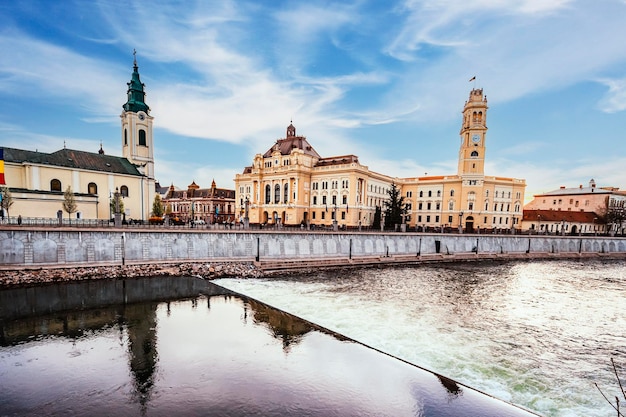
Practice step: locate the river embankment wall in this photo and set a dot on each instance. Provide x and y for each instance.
(35, 248)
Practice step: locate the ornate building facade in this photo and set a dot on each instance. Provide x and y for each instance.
(208, 205)
(38, 180)
(292, 184)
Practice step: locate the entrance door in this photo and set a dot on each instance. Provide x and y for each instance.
(469, 224)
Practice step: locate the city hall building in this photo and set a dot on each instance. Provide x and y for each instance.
(291, 184)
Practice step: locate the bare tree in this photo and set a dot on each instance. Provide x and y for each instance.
(69, 202)
(621, 387)
(6, 199)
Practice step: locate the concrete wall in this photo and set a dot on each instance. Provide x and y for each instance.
(22, 247)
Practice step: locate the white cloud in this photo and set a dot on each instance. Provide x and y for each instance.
(614, 99)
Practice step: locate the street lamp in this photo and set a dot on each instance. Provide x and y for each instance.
(538, 223)
(246, 219)
(461, 222)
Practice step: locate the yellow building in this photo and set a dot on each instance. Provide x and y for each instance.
(37, 181)
(292, 184)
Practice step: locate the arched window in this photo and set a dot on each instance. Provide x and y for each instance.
(421, 193)
(286, 194)
(451, 205)
(55, 185)
(474, 154)
(430, 193)
(438, 193)
(268, 194)
(277, 194)
(125, 137)
(92, 188)
(451, 193)
(142, 137)
(124, 191)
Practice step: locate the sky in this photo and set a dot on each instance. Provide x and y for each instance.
(385, 80)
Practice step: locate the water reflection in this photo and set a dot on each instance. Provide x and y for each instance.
(203, 351)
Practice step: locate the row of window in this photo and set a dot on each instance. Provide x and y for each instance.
(500, 194)
(92, 187)
(495, 219)
(333, 185)
(324, 201)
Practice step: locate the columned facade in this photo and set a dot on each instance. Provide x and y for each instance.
(292, 184)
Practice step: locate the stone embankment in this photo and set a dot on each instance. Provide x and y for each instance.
(28, 277)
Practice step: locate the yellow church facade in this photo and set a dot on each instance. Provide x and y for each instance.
(291, 184)
(37, 180)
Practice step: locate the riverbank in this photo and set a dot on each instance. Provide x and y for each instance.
(29, 276)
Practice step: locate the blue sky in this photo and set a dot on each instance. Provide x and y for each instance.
(385, 80)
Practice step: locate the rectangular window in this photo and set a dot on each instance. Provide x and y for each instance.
(313, 215)
(323, 215)
(344, 199)
(427, 219)
(449, 219)
(343, 215)
(323, 199)
(436, 219)
(334, 200)
(314, 200)
(419, 219)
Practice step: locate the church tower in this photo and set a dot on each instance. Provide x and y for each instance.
(137, 140)
(473, 132)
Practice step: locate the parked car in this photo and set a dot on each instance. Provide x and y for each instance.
(199, 222)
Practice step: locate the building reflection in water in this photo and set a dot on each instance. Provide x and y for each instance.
(222, 361)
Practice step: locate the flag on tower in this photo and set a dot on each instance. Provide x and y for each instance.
(2, 167)
(472, 79)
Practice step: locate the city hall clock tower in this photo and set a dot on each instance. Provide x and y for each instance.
(473, 132)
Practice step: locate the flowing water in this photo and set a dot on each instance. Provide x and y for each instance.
(537, 334)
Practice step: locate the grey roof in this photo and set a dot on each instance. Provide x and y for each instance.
(577, 191)
(69, 158)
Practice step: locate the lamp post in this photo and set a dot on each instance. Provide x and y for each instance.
(538, 223)
(335, 227)
(461, 222)
(246, 219)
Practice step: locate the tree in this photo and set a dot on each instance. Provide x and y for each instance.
(157, 206)
(7, 199)
(395, 209)
(69, 202)
(377, 216)
(112, 205)
(616, 215)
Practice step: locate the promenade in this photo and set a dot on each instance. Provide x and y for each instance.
(48, 254)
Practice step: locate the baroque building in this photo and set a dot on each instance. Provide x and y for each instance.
(209, 205)
(38, 180)
(291, 184)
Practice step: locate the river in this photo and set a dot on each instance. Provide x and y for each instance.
(538, 334)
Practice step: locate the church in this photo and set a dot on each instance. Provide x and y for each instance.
(37, 180)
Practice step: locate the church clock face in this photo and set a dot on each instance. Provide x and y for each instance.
(141, 116)
(475, 138)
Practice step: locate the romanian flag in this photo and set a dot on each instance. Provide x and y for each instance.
(2, 167)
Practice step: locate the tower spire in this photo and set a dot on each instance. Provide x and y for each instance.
(136, 95)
